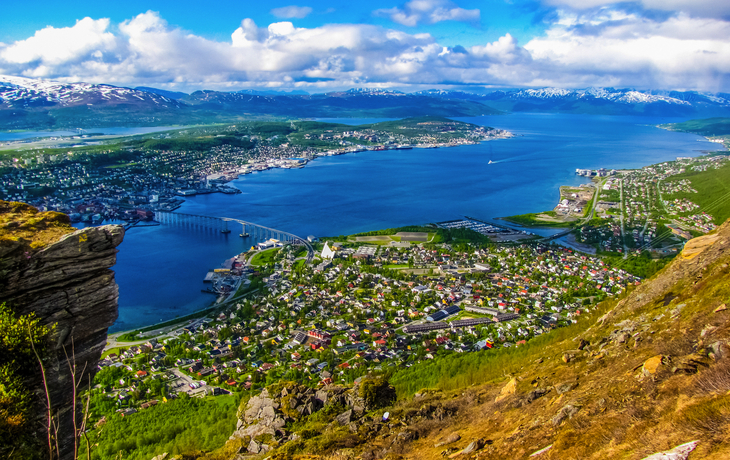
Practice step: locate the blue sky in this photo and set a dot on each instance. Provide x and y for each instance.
(411, 45)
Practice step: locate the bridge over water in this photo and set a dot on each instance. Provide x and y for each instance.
(229, 224)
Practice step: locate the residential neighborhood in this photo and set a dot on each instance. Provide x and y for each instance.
(354, 311)
(648, 210)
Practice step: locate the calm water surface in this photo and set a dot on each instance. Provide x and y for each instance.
(160, 269)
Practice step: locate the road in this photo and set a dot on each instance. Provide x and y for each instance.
(596, 194)
(623, 210)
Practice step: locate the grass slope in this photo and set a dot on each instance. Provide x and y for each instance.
(713, 187)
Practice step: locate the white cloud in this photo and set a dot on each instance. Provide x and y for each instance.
(584, 49)
(51, 46)
(682, 52)
(702, 8)
(292, 11)
(430, 11)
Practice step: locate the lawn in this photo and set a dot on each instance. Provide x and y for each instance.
(395, 266)
(264, 257)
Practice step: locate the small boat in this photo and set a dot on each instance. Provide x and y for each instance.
(226, 230)
(244, 235)
(490, 162)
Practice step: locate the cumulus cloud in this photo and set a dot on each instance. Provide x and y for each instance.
(583, 49)
(292, 11)
(50, 47)
(681, 52)
(430, 11)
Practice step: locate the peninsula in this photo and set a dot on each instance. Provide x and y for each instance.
(94, 180)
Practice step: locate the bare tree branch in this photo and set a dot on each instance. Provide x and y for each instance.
(50, 420)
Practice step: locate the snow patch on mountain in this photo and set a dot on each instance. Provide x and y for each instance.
(20, 91)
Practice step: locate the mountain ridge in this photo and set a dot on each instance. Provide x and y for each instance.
(32, 104)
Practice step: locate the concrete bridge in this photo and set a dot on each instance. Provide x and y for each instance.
(229, 225)
(557, 235)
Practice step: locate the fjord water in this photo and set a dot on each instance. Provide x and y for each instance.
(160, 269)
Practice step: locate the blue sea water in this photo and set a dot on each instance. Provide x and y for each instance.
(160, 269)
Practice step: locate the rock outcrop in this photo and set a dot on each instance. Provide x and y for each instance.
(262, 421)
(67, 283)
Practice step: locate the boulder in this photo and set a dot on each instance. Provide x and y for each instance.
(719, 350)
(322, 396)
(537, 393)
(471, 448)
(623, 337)
(565, 387)
(651, 366)
(507, 390)
(344, 418)
(449, 439)
(254, 447)
(567, 411)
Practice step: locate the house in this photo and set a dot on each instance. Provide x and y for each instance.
(205, 372)
(148, 404)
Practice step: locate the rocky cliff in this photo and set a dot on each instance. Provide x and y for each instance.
(64, 277)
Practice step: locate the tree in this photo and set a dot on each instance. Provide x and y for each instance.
(20, 338)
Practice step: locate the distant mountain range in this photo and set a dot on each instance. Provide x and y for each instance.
(606, 101)
(42, 104)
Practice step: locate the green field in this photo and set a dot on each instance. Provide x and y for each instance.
(713, 191)
(531, 220)
(264, 257)
(613, 196)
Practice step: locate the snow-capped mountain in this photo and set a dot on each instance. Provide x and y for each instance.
(19, 92)
(624, 96)
(27, 103)
(609, 101)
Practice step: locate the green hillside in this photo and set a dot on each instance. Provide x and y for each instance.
(704, 127)
(713, 187)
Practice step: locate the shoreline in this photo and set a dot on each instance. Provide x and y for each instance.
(504, 219)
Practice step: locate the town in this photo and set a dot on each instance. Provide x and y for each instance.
(359, 307)
(132, 179)
(648, 212)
